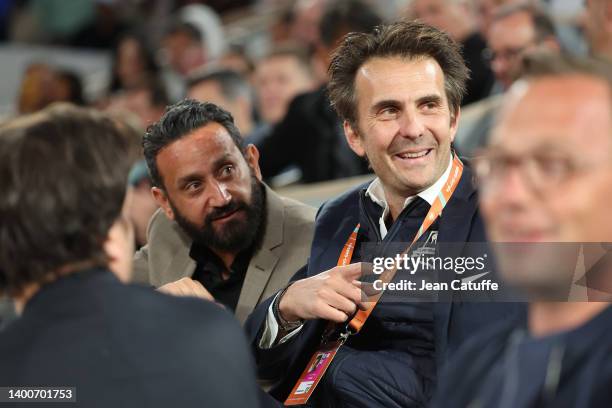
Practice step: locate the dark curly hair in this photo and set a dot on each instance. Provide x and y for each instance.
(180, 120)
(64, 174)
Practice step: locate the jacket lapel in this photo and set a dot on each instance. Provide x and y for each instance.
(180, 265)
(264, 261)
(455, 228)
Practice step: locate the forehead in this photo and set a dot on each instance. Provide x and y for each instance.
(570, 112)
(516, 28)
(280, 64)
(209, 91)
(398, 78)
(199, 149)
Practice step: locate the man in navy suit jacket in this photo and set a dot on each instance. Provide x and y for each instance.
(62, 231)
(398, 90)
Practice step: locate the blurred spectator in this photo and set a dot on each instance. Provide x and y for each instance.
(183, 48)
(541, 184)
(487, 8)
(132, 63)
(146, 101)
(65, 253)
(42, 85)
(232, 92)
(67, 87)
(209, 24)
(305, 19)
(237, 59)
(280, 76)
(105, 28)
(6, 8)
(598, 27)
(310, 136)
(36, 88)
(516, 31)
(458, 19)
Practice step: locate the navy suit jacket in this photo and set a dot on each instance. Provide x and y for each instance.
(127, 346)
(453, 321)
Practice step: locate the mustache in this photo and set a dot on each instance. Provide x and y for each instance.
(221, 212)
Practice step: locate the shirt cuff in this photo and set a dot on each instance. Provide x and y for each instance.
(270, 331)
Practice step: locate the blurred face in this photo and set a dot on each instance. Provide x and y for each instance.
(130, 64)
(549, 176)
(240, 108)
(210, 91)
(212, 191)
(404, 123)
(183, 53)
(509, 39)
(278, 80)
(442, 14)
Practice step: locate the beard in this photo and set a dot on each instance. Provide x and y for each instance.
(237, 234)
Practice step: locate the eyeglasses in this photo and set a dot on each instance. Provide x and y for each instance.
(508, 54)
(542, 171)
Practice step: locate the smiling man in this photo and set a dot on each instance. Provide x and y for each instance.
(398, 91)
(220, 233)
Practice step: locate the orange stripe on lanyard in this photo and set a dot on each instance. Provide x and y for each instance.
(435, 211)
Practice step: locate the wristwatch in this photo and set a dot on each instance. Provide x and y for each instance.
(285, 325)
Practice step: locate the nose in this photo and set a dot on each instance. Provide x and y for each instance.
(512, 190)
(411, 124)
(220, 195)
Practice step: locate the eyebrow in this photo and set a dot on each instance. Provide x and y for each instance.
(393, 102)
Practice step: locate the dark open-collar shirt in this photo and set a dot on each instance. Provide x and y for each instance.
(209, 272)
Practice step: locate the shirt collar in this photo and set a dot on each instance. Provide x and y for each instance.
(376, 192)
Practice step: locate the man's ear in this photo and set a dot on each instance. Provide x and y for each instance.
(454, 123)
(354, 140)
(252, 158)
(162, 199)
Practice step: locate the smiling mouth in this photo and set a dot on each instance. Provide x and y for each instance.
(414, 155)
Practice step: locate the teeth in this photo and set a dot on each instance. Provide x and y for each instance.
(413, 155)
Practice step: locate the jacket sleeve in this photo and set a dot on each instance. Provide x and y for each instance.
(140, 266)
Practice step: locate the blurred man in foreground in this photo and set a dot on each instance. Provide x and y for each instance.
(546, 178)
(62, 236)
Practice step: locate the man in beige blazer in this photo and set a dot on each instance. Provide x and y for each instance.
(220, 232)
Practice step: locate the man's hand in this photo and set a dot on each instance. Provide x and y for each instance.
(186, 287)
(331, 295)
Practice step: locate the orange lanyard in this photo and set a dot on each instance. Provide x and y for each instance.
(435, 211)
(322, 358)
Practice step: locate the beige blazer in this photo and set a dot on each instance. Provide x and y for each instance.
(284, 250)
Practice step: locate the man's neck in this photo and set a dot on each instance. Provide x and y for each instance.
(548, 318)
(396, 203)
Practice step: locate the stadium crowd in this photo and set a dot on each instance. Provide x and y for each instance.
(194, 224)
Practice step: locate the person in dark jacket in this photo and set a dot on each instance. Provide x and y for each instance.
(398, 90)
(65, 251)
(310, 135)
(543, 183)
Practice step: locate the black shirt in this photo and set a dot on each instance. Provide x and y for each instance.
(209, 272)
